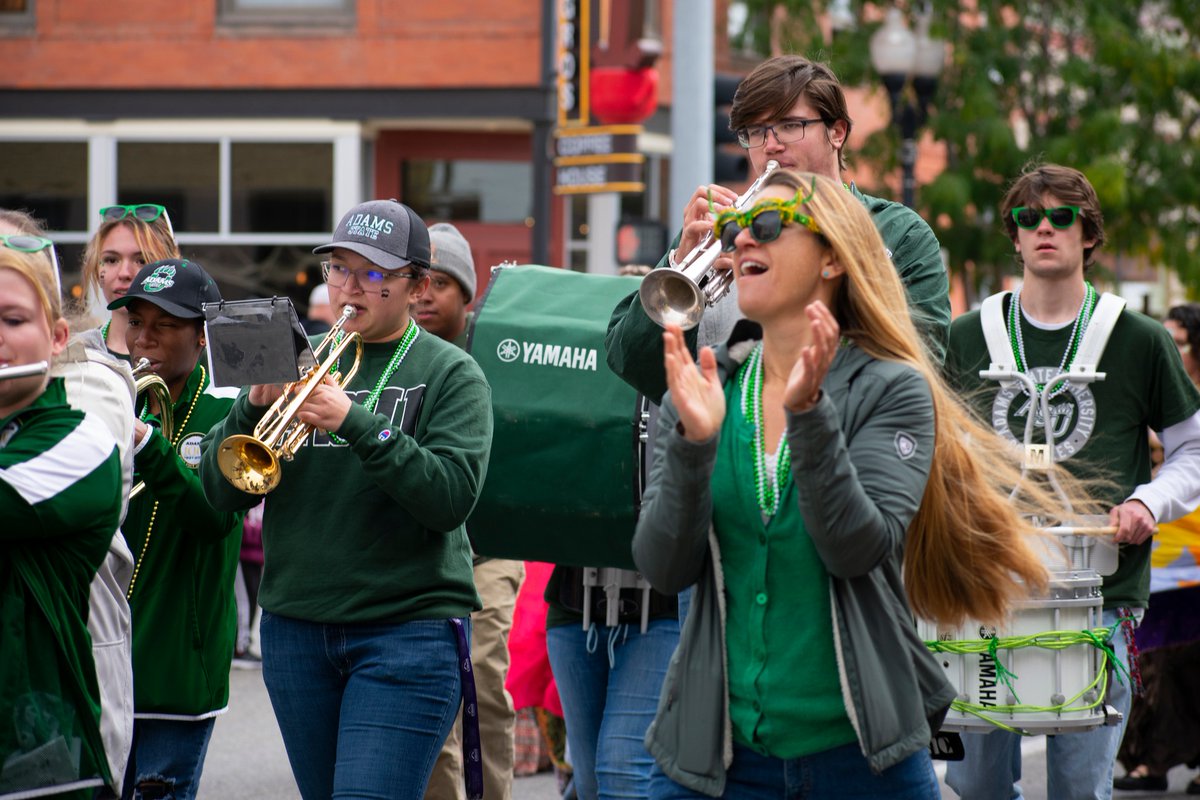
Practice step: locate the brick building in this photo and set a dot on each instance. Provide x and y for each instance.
(258, 122)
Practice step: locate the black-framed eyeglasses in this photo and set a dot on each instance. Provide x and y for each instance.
(146, 212)
(786, 131)
(27, 243)
(370, 281)
(1060, 217)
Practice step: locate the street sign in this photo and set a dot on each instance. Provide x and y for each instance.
(597, 159)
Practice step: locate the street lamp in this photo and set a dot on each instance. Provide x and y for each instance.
(900, 58)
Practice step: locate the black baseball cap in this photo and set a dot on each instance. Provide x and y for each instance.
(387, 233)
(176, 285)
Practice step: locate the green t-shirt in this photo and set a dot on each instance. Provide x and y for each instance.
(1100, 429)
(785, 698)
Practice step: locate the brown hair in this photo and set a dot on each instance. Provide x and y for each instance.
(957, 564)
(1070, 186)
(154, 239)
(776, 85)
(1188, 317)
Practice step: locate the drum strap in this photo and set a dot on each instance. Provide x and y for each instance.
(995, 333)
(1091, 347)
(1095, 338)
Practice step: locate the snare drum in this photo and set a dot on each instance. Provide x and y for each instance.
(1056, 675)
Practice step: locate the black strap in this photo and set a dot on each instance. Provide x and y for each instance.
(472, 749)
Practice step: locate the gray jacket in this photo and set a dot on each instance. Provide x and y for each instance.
(860, 461)
(101, 384)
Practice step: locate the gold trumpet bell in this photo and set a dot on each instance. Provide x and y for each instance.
(248, 464)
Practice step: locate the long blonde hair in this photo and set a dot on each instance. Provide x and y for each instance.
(969, 552)
(154, 240)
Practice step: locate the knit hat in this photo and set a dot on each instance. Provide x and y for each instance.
(452, 255)
(387, 233)
(176, 285)
(319, 296)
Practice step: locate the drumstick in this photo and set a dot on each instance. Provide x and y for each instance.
(1108, 530)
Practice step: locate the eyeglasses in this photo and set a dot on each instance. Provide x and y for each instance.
(1060, 217)
(370, 281)
(146, 212)
(766, 220)
(25, 243)
(786, 131)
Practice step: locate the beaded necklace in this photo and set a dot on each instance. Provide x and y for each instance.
(402, 348)
(1017, 341)
(766, 486)
(104, 333)
(137, 568)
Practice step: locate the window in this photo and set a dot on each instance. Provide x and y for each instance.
(469, 190)
(297, 12)
(183, 176)
(17, 15)
(284, 187)
(48, 179)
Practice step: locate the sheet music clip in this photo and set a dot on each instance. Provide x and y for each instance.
(253, 342)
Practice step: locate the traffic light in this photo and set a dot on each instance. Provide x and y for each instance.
(730, 164)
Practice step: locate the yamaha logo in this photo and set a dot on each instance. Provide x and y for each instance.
(508, 350)
(546, 354)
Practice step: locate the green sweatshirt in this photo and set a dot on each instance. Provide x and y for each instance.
(186, 555)
(60, 501)
(373, 530)
(634, 341)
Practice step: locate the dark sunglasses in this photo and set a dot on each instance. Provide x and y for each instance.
(25, 243)
(766, 220)
(1060, 216)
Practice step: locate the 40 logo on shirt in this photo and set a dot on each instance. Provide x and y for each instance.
(1072, 414)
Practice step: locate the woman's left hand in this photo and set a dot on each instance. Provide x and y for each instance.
(804, 384)
(326, 408)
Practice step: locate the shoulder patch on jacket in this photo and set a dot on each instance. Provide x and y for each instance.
(906, 445)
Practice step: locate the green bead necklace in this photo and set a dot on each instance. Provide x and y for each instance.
(766, 485)
(402, 348)
(1017, 341)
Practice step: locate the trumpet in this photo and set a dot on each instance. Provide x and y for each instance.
(680, 294)
(146, 381)
(252, 462)
(24, 370)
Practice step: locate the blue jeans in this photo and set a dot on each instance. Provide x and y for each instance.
(838, 774)
(1079, 766)
(363, 708)
(609, 680)
(166, 758)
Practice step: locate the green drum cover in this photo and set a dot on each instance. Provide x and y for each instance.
(562, 482)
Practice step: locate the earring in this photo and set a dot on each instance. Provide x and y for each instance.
(825, 274)
(101, 274)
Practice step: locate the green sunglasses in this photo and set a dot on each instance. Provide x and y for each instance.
(146, 212)
(25, 243)
(1060, 217)
(766, 220)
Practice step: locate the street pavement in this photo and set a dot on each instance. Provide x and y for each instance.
(246, 758)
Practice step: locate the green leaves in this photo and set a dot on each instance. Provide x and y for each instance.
(1110, 87)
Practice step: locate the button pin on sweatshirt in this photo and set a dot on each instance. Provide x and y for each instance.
(906, 445)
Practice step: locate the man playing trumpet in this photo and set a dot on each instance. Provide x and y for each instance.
(367, 584)
(792, 111)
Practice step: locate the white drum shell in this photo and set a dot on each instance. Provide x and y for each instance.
(1045, 677)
